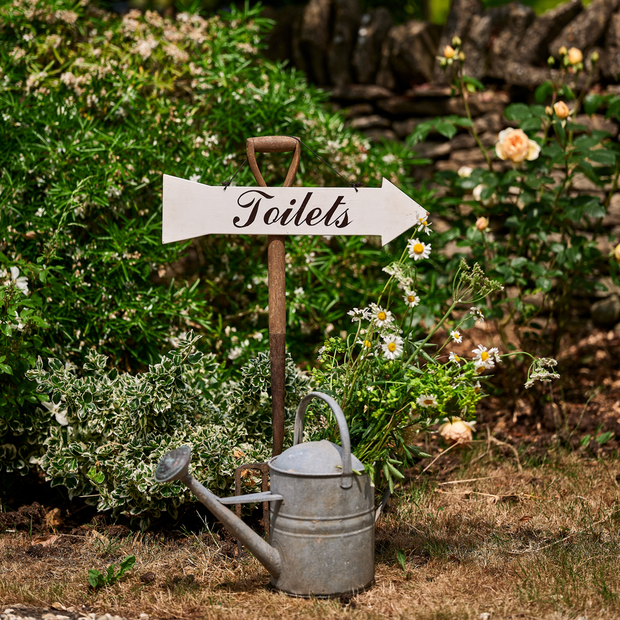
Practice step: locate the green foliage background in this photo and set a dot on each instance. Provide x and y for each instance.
(94, 108)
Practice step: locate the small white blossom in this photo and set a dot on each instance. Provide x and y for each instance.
(423, 225)
(484, 357)
(412, 299)
(392, 346)
(59, 414)
(456, 336)
(381, 318)
(477, 314)
(464, 172)
(418, 250)
(427, 400)
(455, 358)
(21, 282)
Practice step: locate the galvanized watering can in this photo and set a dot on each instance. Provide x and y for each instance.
(321, 513)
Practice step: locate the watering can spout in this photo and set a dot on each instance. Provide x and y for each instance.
(175, 466)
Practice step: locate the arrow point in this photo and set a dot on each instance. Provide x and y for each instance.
(408, 210)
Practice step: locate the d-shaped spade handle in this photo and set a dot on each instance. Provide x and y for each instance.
(274, 144)
(345, 440)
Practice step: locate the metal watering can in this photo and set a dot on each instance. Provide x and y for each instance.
(321, 513)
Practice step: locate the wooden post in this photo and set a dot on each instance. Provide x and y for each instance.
(277, 281)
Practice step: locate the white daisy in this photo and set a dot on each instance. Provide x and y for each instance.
(382, 318)
(423, 225)
(392, 346)
(494, 353)
(411, 298)
(427, 400)
(366, 344)
(477, 313)
(456, 336)
(418, 250)
(484, 357)
(481, 366)
(455, 358)
(357, 315)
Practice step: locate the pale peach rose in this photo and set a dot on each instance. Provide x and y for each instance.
(561, 110)
(448, 51)
(482, 223)
(513, 144)
(617, 253)
(574, 56)
(457, 431)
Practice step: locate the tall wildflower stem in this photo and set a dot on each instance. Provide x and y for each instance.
(474, 133)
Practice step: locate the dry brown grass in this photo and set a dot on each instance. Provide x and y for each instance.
(543, 543)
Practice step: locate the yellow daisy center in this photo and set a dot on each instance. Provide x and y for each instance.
(484, 356)
(428, 401)
(456, 335)
(366, 343)
(382, 316)
(457, 358)
(392, 347)
(480, 370)
(418, 248)
(410, 299)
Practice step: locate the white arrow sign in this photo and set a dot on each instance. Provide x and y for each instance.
(193, 209)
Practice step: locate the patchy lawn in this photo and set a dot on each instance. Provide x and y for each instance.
(543, 542)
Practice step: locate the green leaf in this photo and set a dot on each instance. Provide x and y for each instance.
(592, 103)
(401, 558)
(95, 578)
(544, 284)
(395, 471)
(543, 92)
(595, 209)
(518, 262)
(604, 437)
(531, 124)
(568, 92)
(445, 129)
(517, 112)
(603, 156)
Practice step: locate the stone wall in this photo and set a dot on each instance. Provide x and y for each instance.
(385, 78)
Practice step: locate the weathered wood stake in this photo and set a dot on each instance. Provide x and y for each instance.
(276, 265)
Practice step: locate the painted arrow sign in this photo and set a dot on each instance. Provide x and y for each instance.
(193, 209)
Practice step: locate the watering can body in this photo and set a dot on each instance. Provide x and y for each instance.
(321, 509)
(323, 532)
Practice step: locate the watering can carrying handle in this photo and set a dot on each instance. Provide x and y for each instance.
(342, 426)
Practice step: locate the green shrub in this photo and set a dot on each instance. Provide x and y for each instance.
(530, 223)
(111, 429)
(94, 108)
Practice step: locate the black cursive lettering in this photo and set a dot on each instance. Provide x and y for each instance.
(255, 202)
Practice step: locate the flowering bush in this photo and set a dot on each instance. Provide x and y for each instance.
(94, 108)
(395, 383)
(532, 216)
(110, 429)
